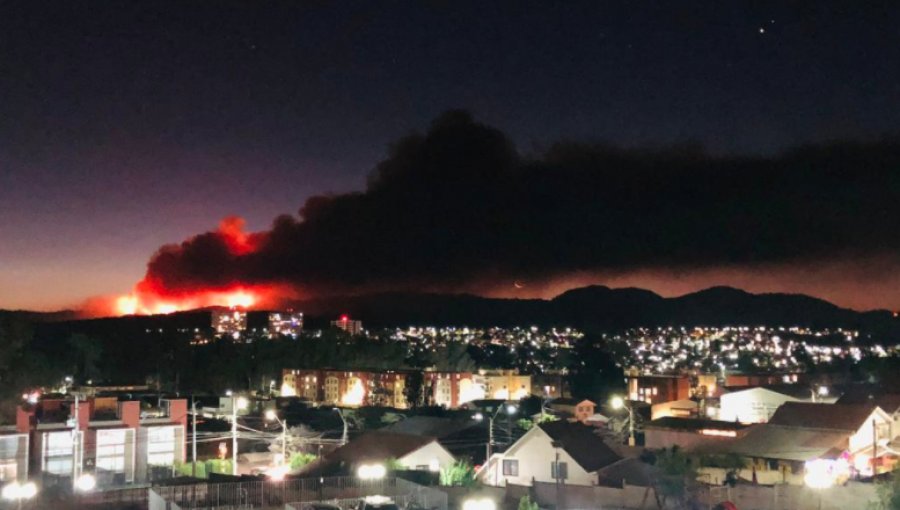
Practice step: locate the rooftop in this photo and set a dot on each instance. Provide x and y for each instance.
(693, 424)
(581, 443)
(769, 441)
(843, 417)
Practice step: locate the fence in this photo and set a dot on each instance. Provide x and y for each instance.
(295, 493)
(404, 494)
(745, 497)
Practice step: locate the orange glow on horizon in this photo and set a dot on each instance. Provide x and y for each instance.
(141, 302)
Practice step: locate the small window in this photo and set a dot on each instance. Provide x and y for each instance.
(510, 467)
(561, 468)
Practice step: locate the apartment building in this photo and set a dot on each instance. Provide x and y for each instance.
(119, 442)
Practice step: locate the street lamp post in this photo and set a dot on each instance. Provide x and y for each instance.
(344, 421)
(236, 403)
(619, 403)
(271, 415)
(510, 410)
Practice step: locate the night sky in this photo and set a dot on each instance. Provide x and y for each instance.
(128, 125)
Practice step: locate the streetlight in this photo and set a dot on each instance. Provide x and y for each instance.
(236, 403)
(19, 492)
(618, 403)
(818, 392)
(819, 474)
(371, 471)
(271, 415)
(86, 482)
(510, 410)
(344, 421)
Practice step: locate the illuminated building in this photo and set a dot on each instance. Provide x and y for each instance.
(285, 323)
(352, 327)
(450, 389)
(116, 441)
(346, 387)
(655, 389)
(230, 323)
(506, 384)
(386, 387)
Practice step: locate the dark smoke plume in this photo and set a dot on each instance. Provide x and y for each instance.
(458, 207)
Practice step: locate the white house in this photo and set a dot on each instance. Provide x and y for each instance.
(409, 451)
(570, 450)
(754, 404)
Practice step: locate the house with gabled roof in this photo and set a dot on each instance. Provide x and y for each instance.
(570, 452)
(411, 452)
(801, 432)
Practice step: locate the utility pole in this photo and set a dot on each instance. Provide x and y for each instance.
(344, 437)
(490, 437)
(193, 437)
(874, 447)
(234, 441)
(75, 459)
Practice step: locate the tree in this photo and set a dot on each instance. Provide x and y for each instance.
(453, 357)
(459, 474)
(297, 440)
(679, 471)
(888, 492)
(299, 459)
(595, 374)
(414, 388)
(525, 503)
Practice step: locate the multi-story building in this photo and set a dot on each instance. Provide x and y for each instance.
(231, 323)
(506, 384)
(287, 323)
(451, 389)
(236, 323)
(655, 389)
(345, 323)
(346, 387)
(388, 387)
(114, 440)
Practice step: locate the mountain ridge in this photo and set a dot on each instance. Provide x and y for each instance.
(594, 307)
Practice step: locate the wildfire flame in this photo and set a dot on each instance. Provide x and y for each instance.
(155, 295)
(141, 303)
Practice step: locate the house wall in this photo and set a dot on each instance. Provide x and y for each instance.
(535, 453)
(674, 408)
(755, 405)
(863, 437)
(654, 389)
(424, 457)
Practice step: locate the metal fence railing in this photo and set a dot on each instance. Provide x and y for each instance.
(298, 493)
(404, 493)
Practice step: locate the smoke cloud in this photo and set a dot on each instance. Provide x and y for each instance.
(459, 208)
